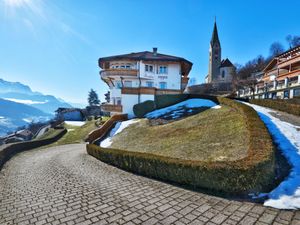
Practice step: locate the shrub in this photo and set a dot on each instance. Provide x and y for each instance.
(162, 101)
(251, 173)
(143, 108)
(288, 106)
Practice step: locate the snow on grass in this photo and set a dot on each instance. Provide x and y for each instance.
(287, 137)
(177, 109)
(75, 123)
(119, 127)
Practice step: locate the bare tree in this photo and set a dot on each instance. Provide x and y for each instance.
(276, 48)
(293, 41)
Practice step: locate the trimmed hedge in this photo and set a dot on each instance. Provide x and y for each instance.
(11, 149)
(162, 101)
(143, 108)
(251, 173)
(279, 104)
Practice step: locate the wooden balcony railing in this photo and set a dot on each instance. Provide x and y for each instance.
(111, 108)
(118, 72)
(289, 61)
(288, 75)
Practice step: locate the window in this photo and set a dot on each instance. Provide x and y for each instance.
(119, 102)
(128, 83)
(163, 69)
(149, 68)
(122, 67)
(118, 84)
(296, 92)
(162, 85)
(223, 74)
(149, 83)
(128, 66)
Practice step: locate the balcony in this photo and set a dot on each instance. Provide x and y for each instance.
(149, 91)
(118, 72)
(111, 108)
(288, 75)
(289, 61)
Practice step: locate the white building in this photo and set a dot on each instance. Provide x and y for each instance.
(136, 77)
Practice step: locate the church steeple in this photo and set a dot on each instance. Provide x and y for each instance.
(214, 56)
(215, 37)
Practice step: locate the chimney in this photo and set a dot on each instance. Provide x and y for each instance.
(154, 51)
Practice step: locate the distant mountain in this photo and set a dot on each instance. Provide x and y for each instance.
(13, 115)
(20, 93)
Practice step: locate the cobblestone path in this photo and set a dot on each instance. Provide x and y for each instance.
(64, 185)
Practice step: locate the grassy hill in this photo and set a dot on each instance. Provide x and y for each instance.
(212, 135)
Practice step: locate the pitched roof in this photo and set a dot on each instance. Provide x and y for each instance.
(147, 56)
(226, 63)
(215, 36)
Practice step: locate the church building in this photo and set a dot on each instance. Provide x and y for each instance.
(220, 71)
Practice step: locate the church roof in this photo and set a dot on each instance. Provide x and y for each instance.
(215, 36)
(226, 63)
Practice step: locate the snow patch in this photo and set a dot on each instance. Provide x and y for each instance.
(287, 137)
(190, 103)
(75, 123)
(119, 127)
(27, 102)
(27, 120)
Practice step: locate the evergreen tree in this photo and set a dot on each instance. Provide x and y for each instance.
(93, 98)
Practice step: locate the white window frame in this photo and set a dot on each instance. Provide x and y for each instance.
(165, 87)
(149, 82)
(162, 71)
(147, 68)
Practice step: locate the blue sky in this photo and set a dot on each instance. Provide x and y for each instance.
(54, 45)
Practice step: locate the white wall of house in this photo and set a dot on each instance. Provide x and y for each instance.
(172, 77)
(128, 101)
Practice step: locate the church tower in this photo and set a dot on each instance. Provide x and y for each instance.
(214, 56)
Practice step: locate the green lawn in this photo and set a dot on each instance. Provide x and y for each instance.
(75, 134)
(212, 135)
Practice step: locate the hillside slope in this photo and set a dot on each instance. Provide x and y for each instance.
(20, 93)
(13, 115)
(211, 135)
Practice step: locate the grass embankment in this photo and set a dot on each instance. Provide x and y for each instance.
(252, 171)
(75, 134)
(212, 135)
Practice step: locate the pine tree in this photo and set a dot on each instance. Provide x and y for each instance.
(93, 98)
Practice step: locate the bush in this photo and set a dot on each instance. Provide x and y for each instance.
(143, 108)
(251, 173)
(289, 106)
(162, 101)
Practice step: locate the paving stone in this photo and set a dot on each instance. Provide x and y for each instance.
(65, 186)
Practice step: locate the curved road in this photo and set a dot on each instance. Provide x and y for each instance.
(64, 185)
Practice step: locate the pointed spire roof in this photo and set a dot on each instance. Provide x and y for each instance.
(215, 36)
